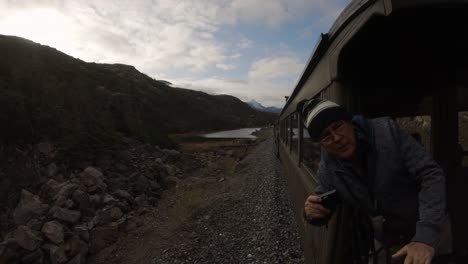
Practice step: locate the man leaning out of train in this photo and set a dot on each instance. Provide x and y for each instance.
(385, 176)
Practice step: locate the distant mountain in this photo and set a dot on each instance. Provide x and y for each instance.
(48, 95)
(260, 107)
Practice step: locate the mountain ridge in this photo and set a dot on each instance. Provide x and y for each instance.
(260, 107)
(47, 94)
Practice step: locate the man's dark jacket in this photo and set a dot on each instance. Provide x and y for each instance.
(401, 182)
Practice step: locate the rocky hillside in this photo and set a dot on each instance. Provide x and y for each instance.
(85, 146)
(78, 211)
(87, 110)
(46, 94)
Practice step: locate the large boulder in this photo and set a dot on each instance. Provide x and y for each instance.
(93, 180)
(65, 215)
(124, 206)
(53, 230)
(35, 224)
(91, 176)
(107, 215)
(171, 170)
(95, 200)
(50, 189)
(124, 195)
(100, 188)
(30, 206)
(62, 198)
(26, 238)
(67, 190)
(56, 253)
(74, 246)
(81, 199)
(142, 201)
(108, 199)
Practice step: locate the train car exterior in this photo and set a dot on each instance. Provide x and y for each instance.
(407, 59)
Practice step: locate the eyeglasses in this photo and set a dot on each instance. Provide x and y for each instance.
(336, 128)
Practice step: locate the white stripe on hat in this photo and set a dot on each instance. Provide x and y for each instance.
(319, 108)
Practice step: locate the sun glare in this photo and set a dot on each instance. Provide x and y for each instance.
(45, 26)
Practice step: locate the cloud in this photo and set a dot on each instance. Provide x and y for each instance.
(235, 56)
(273, 13)
(268, 81)
(174, 39)
(225, 67)
(266, 94)
(245, 43)
(21, 4)
(274, 68)
(161, 33)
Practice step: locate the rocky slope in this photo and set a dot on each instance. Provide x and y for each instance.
(77, 212)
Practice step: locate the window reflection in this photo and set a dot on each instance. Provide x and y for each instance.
(295, 133)
(419, 127)
(311, 157)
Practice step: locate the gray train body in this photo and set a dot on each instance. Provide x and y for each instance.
(399, 58)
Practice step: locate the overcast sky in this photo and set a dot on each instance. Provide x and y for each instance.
(252, 49)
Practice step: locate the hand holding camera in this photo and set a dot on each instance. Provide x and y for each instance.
(329, 199)
(320, 206)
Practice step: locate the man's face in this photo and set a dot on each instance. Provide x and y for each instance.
(338, 139)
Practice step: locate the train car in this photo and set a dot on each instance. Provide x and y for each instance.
(407, 59)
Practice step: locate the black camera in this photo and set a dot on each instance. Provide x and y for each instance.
(329, 199)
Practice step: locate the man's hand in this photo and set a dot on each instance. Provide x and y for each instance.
(313, 209)
(416, 253)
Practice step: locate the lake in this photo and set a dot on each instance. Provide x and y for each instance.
(237, 133)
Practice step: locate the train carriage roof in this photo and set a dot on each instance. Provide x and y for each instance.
(322, 67)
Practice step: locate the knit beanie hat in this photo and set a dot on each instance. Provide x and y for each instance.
(318, 114)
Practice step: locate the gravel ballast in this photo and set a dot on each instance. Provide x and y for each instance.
(250, 223)
(227, 211)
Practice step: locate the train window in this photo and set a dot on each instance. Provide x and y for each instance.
(283, 130)
(288, 128)
(295, 133)
(419, 127)
(311, 150)
(463, 137)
